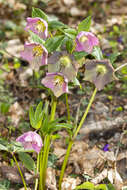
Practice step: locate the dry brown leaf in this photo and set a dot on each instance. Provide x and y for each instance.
(50, 179)
(70, 183)
(16, 111)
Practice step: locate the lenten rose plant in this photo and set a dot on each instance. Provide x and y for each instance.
(62, 52)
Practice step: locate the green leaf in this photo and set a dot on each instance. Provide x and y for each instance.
(38, 110)
(69, 45)
(101, 187)
(85, 24)
(70, 32)
(53, 43)
(36, 38)
(76, 82)
(4, 108)
(54, 24)
(31, 116)
(3, 144)
(113, 57)
(79, 55)
(39, 13)
(111, 187)
(27, 161)
(97, 53)
(86, 185)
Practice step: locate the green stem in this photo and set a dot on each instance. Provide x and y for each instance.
(23, 180)
(74, 136)
(65, 163)
(68, 110)
(85, 114)
(53, 108)
(47, 142)
(36, 181)
(44, 162)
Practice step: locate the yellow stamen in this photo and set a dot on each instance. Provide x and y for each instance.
(37, 50)
(58, 80)
(40, 26)
(101, 69)
(65, 61)
(83, 39)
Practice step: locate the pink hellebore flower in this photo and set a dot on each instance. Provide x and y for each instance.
(31, 141)
(38, 26)
(57, 82)
(35, 53)
(85, 41)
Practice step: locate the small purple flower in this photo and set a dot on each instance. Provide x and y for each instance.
(120, 39)
(85, 41)
(106, 148)
(35, 54)
(30, 141)
(63, 63)
(57, 82)
(99, 72)
(38, 26)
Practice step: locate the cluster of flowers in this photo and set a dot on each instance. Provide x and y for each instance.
(62, 68)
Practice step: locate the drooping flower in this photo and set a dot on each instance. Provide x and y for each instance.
(99, 72)
(57, 82)
(85, 41)
(38, 26)
(30, 141)
(64, 63)
(35, 54)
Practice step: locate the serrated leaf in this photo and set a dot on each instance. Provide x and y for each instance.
(36, 38)
(86, 185)
(36, 12)
(54, 24)
(85, 24)
(53, 43)
(28, 162)
(97, 53)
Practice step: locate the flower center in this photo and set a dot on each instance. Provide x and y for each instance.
(65, 61)
(101, 69)
(58, 80)
(40, 26)
(37, 50)
(83, 39)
